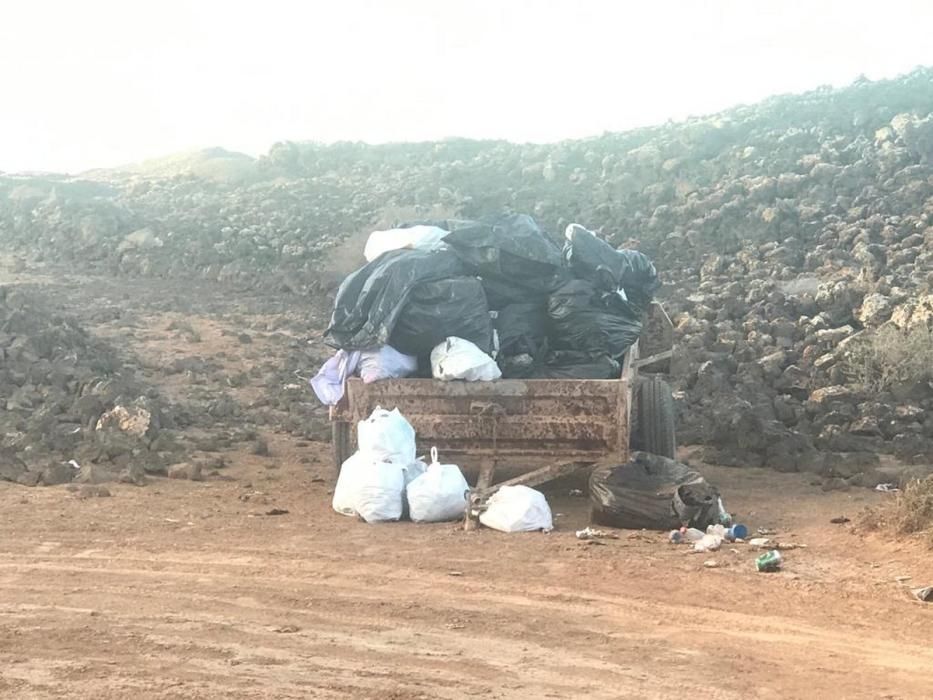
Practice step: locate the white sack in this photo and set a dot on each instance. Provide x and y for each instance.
(385, 363)
(439, 494)
(422, 237)
(371, 488)
(379, 492)
(517, 509)
(457, 358)
(387, 435)
(347, 489)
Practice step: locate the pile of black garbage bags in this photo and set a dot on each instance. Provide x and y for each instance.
(542, 310)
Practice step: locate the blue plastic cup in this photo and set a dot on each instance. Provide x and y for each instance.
(737, 532)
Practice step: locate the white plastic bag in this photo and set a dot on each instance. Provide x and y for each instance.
(385, 363)
(517, 509)
(330, 380)
(412, 472)
(387, 435)
(347, 489)
(423, 237)
(379, 492)
(370, 487)
(457, 358)
(439, 494)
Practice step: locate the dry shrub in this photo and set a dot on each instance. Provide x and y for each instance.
(909, 512)
(890, 356)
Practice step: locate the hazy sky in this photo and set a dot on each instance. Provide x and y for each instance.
(98, 82)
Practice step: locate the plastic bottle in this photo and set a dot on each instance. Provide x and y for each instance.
(676, 536)
(725, 518)
(717, 530)
(691, 534)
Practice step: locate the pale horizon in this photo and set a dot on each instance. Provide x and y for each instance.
(103, 84)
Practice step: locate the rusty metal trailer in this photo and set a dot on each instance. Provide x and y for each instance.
(568, 423)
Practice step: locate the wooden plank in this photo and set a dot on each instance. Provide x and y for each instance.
(487, 472)
(538, 476)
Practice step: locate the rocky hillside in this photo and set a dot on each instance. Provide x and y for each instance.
(795, 237)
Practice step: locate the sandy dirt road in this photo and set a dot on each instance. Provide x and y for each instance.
(189, 590)
(185, 590)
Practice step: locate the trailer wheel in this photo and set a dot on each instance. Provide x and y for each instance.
(656, 417)
(340, 437)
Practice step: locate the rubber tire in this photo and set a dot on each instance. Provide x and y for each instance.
(340, 438)
(656, 417)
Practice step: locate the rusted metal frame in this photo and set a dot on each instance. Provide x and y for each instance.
(489, 412)
(537, 477)
(657, 357)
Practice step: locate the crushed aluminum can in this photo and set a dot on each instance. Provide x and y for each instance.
(769, 561)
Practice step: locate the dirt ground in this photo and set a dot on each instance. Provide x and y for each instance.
(185, 589)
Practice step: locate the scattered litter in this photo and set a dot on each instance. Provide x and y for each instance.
(924, 595)
(841, 520)
(766, 531)
(729, 533)
(761, 542)
(455, 573)
(276, 511)
(902, 579)
(769, 561)
(691, 534)
(576, 493)
(286, 629)
(73, 464)
(708, 543)
(711, 564)
(590, 533)
(887, 488)
(675, 537)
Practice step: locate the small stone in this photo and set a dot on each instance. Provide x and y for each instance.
(93, 474)
(186, 470)
(711, 564)
(57, 474)
(94, 491)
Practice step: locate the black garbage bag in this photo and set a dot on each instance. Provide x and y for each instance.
(522, 328)
(654, 493)
(439, 309)
(587, 320)
(369, 300)
(561, 364)
(512, 255)
(568, 364)
(609, 269)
